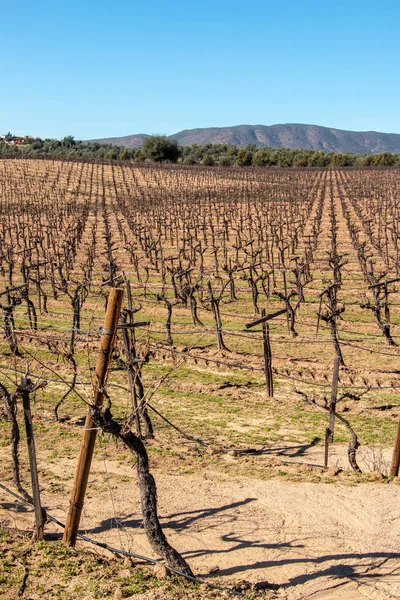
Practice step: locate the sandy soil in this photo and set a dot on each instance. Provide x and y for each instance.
(314, 540)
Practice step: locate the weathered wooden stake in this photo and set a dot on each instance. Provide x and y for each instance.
(319, 316)
(89, 435)
(267, 357)
(330, 430)
(394, 468)
(266, 344)
(286, 295)
(131, 379)
(39, 513)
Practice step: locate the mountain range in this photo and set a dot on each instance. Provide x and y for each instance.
(289, 135)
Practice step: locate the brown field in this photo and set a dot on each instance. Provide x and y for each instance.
(241, 481)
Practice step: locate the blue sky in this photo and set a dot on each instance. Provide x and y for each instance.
(97, 69)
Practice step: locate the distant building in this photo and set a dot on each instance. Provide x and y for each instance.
(18, 140)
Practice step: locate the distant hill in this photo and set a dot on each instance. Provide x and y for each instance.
(289, 135)
(128, 141)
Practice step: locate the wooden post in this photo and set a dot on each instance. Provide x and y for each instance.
(330, 430)
(266, 344)
(89, 435)
(39, 513)
(394, 468)
(286, 295)
(267, 357)
(130, 308)
(319, 316)
(131, 376)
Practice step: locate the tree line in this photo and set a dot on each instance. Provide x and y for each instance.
(164, 149)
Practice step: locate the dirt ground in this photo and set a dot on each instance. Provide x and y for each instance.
(313, 540)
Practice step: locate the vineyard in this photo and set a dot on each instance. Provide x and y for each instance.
(255, 363)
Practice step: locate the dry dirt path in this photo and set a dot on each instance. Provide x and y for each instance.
(314, 540)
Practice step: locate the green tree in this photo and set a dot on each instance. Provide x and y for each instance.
(160, 148)
(244, 157)
(368, 160)
(68, 141)
(225, 160)
(260, 158)
(207, 160)
(126, 154)
(384, 159)
(342, 159)
(285, 158)
(300, 158)
(319, 159)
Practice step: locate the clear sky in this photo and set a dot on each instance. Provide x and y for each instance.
(102, 68)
